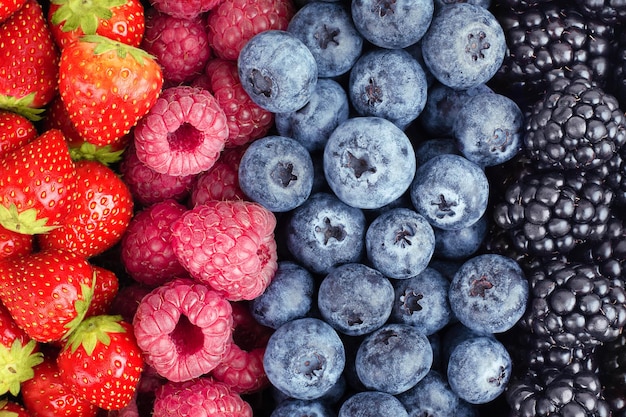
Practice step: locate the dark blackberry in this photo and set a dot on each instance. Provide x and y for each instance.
(545, 37)
(612, 360)
(608, 254)
(549, 212)
(608, 11)
(618, 84)
(577, 125)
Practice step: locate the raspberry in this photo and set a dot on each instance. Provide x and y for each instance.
(180, 45)
(221, 181)
(228, 245)
(183, 133)
(127, 300)
(246, 120)
(146, 250)
(184, 329)
(201, 397)
(233, 23)
(184, 9)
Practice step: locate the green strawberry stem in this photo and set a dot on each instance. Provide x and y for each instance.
(81, 306)
(103, 154)
(94, 330)
(16, 365)
(22, 106)
(104, 44)
(83, 14)
(25, 222)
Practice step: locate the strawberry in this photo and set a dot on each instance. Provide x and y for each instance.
(12, 409)
(46, 395)
(47, 293)
(104, 292)
(107, 87)
(15, 131)
(37, 183)
(28, 61)
(14, 244)
(120, 20)
(102, 362)
(103, 207)
(18, 355)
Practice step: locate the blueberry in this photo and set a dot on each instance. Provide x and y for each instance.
(325, 232)
(479, 369)
(277, 71)
(450, 191)
(422, 301)
(465, 409)
(433, 147)
(289, 296)
(464, 45)
(372, 404)
(368, 162)
(392, 24)
(312, 124)
(388, 83)
(400, 243)
(482, 3)
(333, 40)
(355, 299)
(432, 397)
(302, 408)
(489, 293)
(304, 358)
(454, 334)
(488, 129)
(393, 358)
(415, 50)
(276, 172)
(462, 243)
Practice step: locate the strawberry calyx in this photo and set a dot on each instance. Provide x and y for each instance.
(16, 365)
(103, 154)
(81, 306)
(94, 330)
(23, 106)
(104, 45)
(25, 222)
(83, 14)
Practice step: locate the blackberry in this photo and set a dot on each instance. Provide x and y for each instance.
(618, 84)
(550, 212)
(550, 36)
(612, 360)
(608, 11)
(608, 254)
(577, 125)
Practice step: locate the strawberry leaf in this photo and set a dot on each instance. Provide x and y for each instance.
(81, 306)
(94, 330)
(103, 154)
(84, 14)
(25, 222)
(16, 365)
(22, 106)
(104, 44)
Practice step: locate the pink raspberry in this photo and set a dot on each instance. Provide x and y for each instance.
(232, 23)
(184, 9)
(246, 120)
(221, 181)
(228, 245)
(180, 45)
(202, 397)
(146, 252)
(184, 329)
(183, 133)
(148, 186)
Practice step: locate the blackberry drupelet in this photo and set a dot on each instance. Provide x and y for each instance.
(576, 126)
(608, 11)
(550, 212)
(617, 86)
(608, 254)
(612, 360)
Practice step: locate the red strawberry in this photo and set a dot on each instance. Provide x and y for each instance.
(18, 355)
(107, 87)
(102, 362)
(103, 207)
(28, 60)
(37, 182)
(104, 292)
(14, 244)
(12, 409)
(15, 131)
(46, 395)
(47, 293)
(120, 20)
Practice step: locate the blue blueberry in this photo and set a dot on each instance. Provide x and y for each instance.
(329, 399)
(312, 124)
(454, 334)
(442, 107)
(435, 345)
(488, 129)
(277, 71)
(289, 296)
(334, 41)
(301, 408)
(393, 358)
(445, 267)
(368, 162)
(462, 243)
(422, 301)
(372, 404)
(465, 409)
(324, 232)
(276, 172)
(392, 24)
(464, 45)
(489, 293)
(479, 369)
(415, 50)
(388, 83)
(432, 397)
(304, 358)
(450, 191)
(355, 299)
(400, 243)
(482, 3)
(430, 148)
